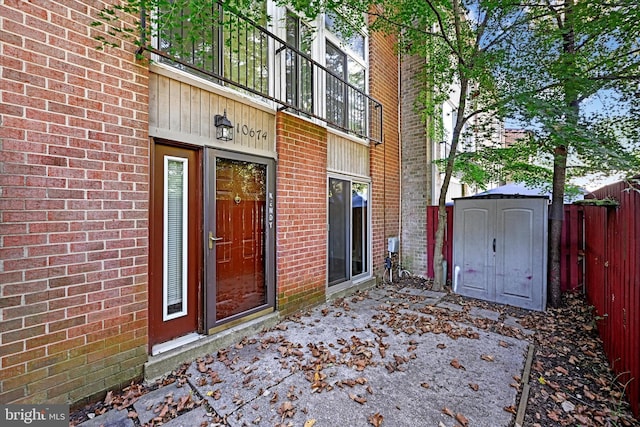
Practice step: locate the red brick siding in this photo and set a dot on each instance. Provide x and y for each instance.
(385, 164)
(74, 167)
(301, 213)
(417, 171)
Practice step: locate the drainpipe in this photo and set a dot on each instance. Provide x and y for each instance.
(399, 130)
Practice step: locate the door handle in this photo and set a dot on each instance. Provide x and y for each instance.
(213, 239)
(494, 245)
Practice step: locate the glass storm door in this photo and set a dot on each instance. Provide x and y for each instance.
(239, 236)
(175, 250)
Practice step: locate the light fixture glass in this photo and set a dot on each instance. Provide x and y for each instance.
(224, 127)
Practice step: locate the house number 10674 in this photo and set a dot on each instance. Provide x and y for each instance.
(251, 132)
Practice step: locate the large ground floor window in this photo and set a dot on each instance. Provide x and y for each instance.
(349, 240)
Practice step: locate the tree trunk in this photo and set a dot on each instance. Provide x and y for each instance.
(438, 284)
(442, 200)
(572, 114)
(439, 244)
(556, 218)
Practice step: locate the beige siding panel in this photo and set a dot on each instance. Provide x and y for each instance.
(214, 103)
(175, 106)
(185, 112)
(162, 98)
(347, 156)
(153, 100)
(205, 111)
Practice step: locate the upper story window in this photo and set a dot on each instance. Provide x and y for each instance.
(354, 41)
(229, 46)
(298, 63)
(345, 57)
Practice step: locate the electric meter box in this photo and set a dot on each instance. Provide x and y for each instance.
(393, 244)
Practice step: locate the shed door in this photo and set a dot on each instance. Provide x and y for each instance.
(521, 246)
(500, 250)
(473, 231)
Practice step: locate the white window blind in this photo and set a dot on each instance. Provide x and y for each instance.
(175, 237)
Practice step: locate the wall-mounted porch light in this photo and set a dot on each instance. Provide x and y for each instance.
(224, 127)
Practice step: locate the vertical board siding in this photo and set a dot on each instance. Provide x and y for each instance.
(184, 112)
(613, 281)
(347, 156)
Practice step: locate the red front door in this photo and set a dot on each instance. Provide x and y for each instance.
(238, 259)
(175, 244)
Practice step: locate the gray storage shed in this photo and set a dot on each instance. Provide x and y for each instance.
(500, 249)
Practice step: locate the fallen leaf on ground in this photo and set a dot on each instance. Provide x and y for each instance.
(108, 398)
(553, 415)
(448, 411)
(487, 357)
(562, 370)
(310, 423)
(376, 419)
(425, 385)
(457, 364)
(511, 409)
(286, 410)
(361, 400)
(474, 386)
(462, 419)
(588, 393)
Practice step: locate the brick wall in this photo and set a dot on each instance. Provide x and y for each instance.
(416, 170)
(385, 158)
(301, 252)
(74, 172)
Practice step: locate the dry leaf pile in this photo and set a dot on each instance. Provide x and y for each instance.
(570, 381)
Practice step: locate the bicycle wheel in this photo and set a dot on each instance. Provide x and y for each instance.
(404, 274)
(387, 276)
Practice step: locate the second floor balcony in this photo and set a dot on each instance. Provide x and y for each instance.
(239, 52)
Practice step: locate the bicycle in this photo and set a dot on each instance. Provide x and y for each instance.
(393, 270)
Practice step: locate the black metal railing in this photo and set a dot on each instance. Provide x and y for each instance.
(239, 52)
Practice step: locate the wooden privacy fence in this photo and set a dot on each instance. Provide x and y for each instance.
(447, 250)
(600, 256)
(571, 251)
(612, 237)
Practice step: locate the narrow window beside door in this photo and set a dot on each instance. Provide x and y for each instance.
(175, 237)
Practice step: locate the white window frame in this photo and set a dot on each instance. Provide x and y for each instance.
(368, 273)
(328, 36)
(165, 239)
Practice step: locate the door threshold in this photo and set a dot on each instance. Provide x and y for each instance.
(175, 343)
(160, 364)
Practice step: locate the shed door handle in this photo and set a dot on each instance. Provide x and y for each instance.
(494, 245)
